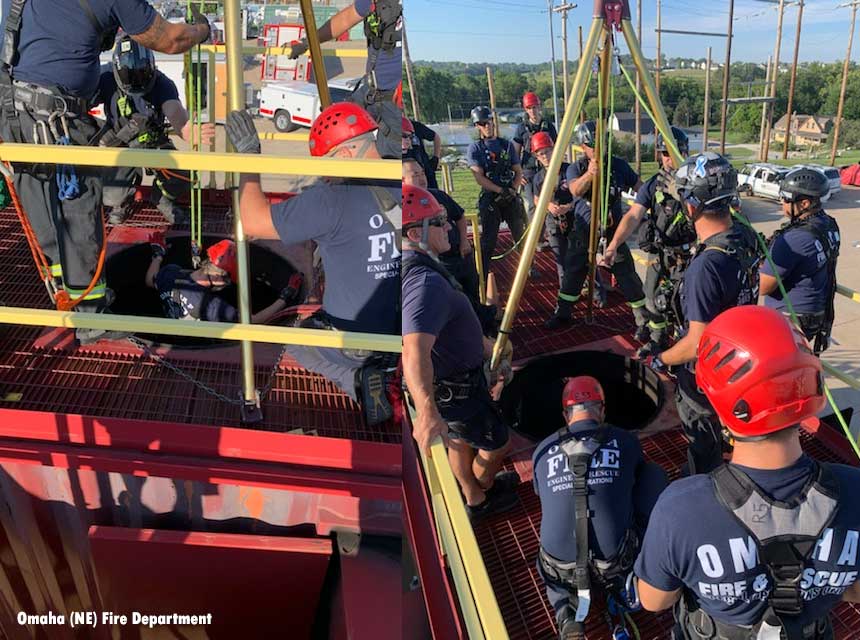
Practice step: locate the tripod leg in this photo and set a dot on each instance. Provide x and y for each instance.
(571, 116)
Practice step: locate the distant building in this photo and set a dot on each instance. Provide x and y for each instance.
(624, 123)
(806, 131)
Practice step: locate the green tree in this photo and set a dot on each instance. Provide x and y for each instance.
(681, 118)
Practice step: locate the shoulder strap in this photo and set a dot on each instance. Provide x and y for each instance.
(88, 10)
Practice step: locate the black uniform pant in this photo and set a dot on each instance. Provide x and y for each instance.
(492, 211)
(700, 423)
(70, 232)
(380, 105)
(657, 322)
(169, 184)
(572, 260)
(529, 197)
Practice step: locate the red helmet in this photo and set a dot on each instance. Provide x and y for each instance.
(758, 371)
(541, 140)
(581, 389)
(419, 204)
(223, 255)
(530, 100)
(398, 95)
(342, 121)
(408, 127)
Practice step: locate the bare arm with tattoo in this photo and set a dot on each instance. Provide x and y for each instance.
(167, 37)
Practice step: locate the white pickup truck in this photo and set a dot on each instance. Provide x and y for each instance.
(295, 104)
(762, 179)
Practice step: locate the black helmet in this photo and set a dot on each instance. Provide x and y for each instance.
(586, 133)
(681, 141)
(481, 114)
(708, 181)
(803, 181)
(133, 66)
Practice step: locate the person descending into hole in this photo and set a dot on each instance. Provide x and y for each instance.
(188, 294)
(596, 492)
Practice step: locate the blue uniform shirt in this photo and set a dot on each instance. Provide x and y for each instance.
(523, 134)
(623, 178)
(358, 248)
(164, 90)
(59, 46)
(694, 542)
(611, 480)
(432, 306)
(182, 298)
(801, 264)
(385, 64)
(495, 156)
(645, 194)
(562, 193)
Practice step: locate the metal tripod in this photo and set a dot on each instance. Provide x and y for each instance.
(609, 18)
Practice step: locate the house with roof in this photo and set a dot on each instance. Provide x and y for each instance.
(624, 123)
(806, 130)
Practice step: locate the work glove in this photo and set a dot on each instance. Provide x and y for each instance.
(657, 364)
(158, 244)
(294, 286)
(666, 184)
(298, 48)
(434, 163)
(242, 133)
(198, 18)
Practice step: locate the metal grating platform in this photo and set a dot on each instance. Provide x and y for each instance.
(509, 543)
(109, 381)
(529, 337)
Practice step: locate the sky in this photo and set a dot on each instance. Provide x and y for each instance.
(518, 30)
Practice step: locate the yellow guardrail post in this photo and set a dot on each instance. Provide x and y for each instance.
(479, 261)
(211, 107)
(848, 293)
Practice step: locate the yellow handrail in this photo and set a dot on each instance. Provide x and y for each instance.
(298, 136)
(848, 293)
(478, 604)
(228, 162)
(214, 330)
(286, 49)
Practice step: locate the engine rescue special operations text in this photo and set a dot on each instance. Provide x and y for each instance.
(93, 619)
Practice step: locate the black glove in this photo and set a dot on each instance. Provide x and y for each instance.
(199, 18)
(298, 48)
(242, 133)
(434, 163)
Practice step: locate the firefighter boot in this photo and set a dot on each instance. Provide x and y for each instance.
(568, 627)
(89, 336)
(562, 315)
(371, 384)
(172, 212)
(640, 316)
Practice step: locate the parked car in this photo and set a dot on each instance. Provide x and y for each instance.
(295, 104)
(761, 179)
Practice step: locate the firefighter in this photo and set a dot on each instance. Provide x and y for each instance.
(495, 165)
(579, 177)
(49, 74)
(383, 28)
(193, 294)
(458, 259)
(355, 227)
(723, 273)
(668, 238)
(141, 104)
(804, 253)
(443, 363)
(596, 493)
(768, 544)
(532, 123)
(418, 134)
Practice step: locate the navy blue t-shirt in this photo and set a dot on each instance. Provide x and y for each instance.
(611, 480)
(432, 306)
(801, 264)
(562, 193)
(455, 214)
(59, 46)
(491, 154)
(645, 194)
(149, 104)
(692, 541)
(623, 178)
(386, 65)
(522, 136)
(184, 299)
(359, 252)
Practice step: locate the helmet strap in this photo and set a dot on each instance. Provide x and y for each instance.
(424, 243)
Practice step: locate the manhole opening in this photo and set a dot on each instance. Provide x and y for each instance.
(531, 403)
(126, 270)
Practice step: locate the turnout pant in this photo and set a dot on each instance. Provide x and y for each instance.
(700, 423)
(338, 365)
(380, 105)
(120, 183)
(70, 232)
(529, 198)
(657, 322)
(492, 211)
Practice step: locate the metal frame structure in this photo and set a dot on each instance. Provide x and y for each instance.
(608, 16)
(226, 162)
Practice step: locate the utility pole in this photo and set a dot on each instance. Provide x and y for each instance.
(793, 77)
(636, 106)
(853, 6)
(775, 76)
(726, 74)
(764, 106)
(413, 90)
(659, 32)
(552, 65)
(492, 90)
(563, 9)
(582, 112)
(707, 113)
